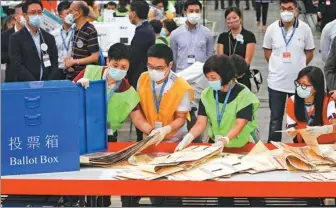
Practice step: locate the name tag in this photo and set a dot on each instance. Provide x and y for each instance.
(46, 60)
(157, 124)
(191, 59)
(109, 132)
(286, 57)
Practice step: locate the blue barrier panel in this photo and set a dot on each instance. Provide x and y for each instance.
(95, 139)
(40, 127)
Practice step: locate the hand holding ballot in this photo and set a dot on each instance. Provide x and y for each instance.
(316, 131)
(291, 132)
(221, 141)
(187, 139)
(160, 134)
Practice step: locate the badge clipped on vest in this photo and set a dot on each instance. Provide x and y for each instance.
(191, 59)
(158, 124)
(286, 57)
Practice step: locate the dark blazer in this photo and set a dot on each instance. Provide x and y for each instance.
(143, 39)
(24, 58)
(330, 67)
(4, 53)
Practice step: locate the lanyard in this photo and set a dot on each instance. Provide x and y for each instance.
(230, 45)
(285, 37)
(157, 100)
(109, 95)
(63, 40)
(308, 119)
(220, 116)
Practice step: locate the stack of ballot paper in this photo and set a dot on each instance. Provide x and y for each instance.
(200, 163)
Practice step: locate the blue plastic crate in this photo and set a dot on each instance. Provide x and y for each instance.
(40, 127)
(95, 139)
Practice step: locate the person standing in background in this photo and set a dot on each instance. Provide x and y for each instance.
(222, 4)
(20, 21)
(237, 41)
(191, 42)
(261, 7)
(32, 51)
(63, 36)
(330, 70)
(94, 10)
(236, 1)
(288, 47)
(169, 26)
(85, 48)
(157, 26)
(143, 39)
(327, 36)
(326, 11)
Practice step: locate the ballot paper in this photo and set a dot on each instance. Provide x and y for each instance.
(50, 21)
(143, 175)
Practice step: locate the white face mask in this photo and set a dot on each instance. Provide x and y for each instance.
(156, 75)
(193, 18)
(287, 16)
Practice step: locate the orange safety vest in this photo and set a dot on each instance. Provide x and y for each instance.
(169, 102)
(323, 139)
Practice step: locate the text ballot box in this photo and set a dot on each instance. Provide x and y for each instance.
(45, 126)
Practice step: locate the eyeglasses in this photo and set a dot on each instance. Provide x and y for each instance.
(158, 68)
(290, 9)
(303, 86)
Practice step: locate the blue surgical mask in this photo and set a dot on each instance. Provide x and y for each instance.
(117, 74)
(303, 93)
(69, 19)
(35, 21)
(163, 33)
(215, 85)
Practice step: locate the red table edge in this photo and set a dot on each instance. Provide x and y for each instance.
(170, 188)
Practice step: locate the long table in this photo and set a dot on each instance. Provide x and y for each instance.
(98, 181)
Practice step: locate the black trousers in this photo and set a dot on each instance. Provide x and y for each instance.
(222, 4)
(231, 3)
(261, 10)
(277, 104)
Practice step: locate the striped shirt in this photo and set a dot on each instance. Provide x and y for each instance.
(85, 43)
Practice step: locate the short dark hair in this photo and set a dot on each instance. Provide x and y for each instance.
(84, 8)
(30, 2)
(157, 25)
(111, 3)
(222, 65)
(232, 9)
(170, 25)
(141, 8)
(288, 1)
(239, 64)
(161, 51)
(192, 2)
(119, 51)
(63, 6)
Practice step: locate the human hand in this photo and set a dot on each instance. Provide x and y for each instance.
(316, 131)
(221, 141)
(187, 139)
(68, 62)
(84, 82)
(291, 132)
(160, 134)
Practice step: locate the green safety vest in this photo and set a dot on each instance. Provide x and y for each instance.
(120, 104)
(243, 99)
(121, 14)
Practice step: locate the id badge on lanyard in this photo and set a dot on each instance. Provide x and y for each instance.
(157, 102)
(191, 53)
(287, 56)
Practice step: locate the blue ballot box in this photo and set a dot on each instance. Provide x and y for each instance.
(45, 128)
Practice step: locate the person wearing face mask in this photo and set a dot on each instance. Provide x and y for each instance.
(110, 6)
(311, 108)
(165, 101)
(85, 48)
(63, 36)
(288, 48)
(32, 51)
(238, 41)
(169, 26)
(19, 24)
(161, 9)
(191, 42)
(229, 106)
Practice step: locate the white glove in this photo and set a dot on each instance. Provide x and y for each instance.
(316, 131)
(84, 82)
(187, 139)
(221, 141)
(291, 132)
(160, 136)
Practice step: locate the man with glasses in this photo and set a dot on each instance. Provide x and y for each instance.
(288, 47)
(32, 51)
